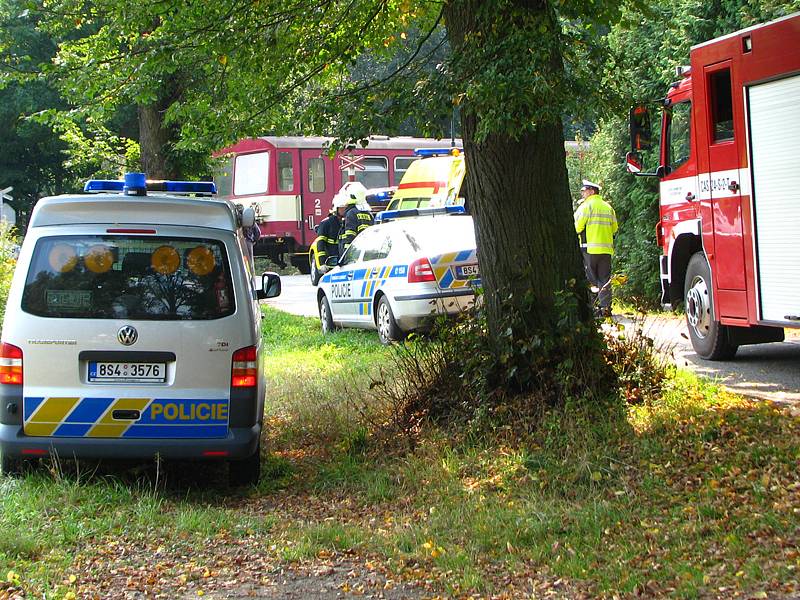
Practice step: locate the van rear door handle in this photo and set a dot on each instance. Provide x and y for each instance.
(690, 196)
(733, 186)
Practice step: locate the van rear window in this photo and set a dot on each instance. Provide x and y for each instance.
(113, 277)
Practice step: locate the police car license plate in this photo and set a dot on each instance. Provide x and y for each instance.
(467, 271)
(128, 372)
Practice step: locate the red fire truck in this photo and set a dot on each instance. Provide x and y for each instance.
(729, 174)
(290, 182)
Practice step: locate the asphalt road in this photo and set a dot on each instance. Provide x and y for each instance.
(769, 371)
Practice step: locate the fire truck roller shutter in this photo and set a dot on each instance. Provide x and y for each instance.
(774, 135)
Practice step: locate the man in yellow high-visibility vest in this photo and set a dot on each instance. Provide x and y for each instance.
(596, 224)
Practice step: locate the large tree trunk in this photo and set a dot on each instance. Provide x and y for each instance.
(527, 247)
(154, 139)
(519, 195)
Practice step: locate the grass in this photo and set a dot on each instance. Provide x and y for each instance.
(691, 494)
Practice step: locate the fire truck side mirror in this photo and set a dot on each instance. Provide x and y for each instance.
(641, 130)
(633, 162)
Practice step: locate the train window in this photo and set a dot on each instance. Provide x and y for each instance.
(316, 175)
(721, 105)
(223, 176)
(251, 174)
(401, 164)
(375, 173)
(285, 172)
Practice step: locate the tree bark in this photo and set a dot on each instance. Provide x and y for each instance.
(154, 139)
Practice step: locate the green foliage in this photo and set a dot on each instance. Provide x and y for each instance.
(31, 157)
(9, 243)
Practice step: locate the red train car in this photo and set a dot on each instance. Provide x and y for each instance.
(290, 182)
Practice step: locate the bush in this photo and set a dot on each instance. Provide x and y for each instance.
(9, 244)
(461, 373)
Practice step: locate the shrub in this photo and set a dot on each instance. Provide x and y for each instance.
(9, 243)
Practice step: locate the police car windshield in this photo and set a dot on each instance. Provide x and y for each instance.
(436, 235)
(115, 277)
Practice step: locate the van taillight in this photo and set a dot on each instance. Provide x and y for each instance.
(420, 270)
(10, 364)
(245, 367)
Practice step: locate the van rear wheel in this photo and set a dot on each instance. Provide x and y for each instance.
(10, 466)
(245, 472)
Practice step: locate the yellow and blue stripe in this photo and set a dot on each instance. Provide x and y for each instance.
(93, 417)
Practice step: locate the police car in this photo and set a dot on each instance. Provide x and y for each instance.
(133, 330)
(398, 275)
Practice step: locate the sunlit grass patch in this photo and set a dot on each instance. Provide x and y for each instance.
(689, 492)
(318, 386)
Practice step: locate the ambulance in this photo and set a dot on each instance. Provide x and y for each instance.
(133, 330)
(433, 182)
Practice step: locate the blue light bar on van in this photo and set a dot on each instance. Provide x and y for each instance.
(428, 152)
(183, 187)
(95, 186)
(135, 184)
(391, 215)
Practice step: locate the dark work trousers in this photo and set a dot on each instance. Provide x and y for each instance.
(598, 272)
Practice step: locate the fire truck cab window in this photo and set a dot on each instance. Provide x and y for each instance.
(721, 105)
(316, 175)
(285, 172)
(375, 173)
(679, 134)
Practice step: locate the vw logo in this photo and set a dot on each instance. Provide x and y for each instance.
(127, 335)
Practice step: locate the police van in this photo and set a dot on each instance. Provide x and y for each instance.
(133, 330)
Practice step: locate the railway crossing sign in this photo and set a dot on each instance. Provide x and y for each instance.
(353, 162)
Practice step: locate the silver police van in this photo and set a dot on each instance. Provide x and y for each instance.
(133, 330)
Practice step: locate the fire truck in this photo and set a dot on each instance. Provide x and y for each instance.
(729, 178)
(291, 181)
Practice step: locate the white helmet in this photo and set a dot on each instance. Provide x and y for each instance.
(340, 200)
(356, 193)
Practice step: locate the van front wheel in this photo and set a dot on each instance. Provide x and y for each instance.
(245, 472)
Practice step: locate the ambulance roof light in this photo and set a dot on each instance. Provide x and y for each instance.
(135, 184)
(391, 215)
(383, 195)
(428, 152)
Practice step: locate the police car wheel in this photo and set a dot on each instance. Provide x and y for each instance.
(325, 316)
(315, 273)
(388, 331)
(245, 472)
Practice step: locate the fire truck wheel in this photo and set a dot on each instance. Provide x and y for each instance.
(710, 339)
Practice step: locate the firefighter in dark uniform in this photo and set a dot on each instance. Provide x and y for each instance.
(357, 218)
(328, 244)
